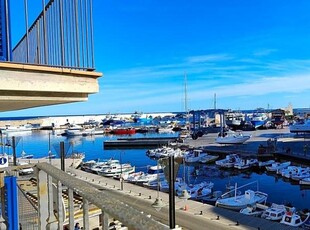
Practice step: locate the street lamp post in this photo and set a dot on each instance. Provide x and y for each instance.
(171, 193)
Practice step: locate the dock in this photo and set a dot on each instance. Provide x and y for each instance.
(190, 214)
(138, 142)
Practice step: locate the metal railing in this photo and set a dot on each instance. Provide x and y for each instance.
(61, 36)
(47, 175)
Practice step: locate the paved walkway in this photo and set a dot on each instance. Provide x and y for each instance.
(189, 214)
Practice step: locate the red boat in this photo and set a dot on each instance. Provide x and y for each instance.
(123, 131)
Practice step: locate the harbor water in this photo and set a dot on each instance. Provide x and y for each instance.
(279, 190)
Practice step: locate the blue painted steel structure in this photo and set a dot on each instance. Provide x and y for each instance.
(198, 130)
(5, 34)
(11, 202)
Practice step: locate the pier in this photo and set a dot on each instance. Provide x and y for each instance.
(138, 142)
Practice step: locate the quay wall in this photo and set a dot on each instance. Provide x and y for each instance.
(59, 121)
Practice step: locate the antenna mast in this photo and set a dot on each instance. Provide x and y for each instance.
(215, 101)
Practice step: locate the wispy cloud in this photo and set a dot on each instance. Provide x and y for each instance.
(208, 58)
(264, 52)
(163, 85)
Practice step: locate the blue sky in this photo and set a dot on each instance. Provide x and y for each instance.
(249, 53)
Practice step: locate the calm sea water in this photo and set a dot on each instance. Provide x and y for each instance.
(278, 190)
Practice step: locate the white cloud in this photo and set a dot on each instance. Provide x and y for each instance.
(208, 58)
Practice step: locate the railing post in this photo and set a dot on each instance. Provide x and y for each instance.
(60, 206)
(42, 199)
(71, 209)
(52, 221)
(85, 214)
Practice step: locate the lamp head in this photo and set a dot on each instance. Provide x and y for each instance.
(185, 195)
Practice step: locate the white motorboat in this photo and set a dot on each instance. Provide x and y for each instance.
(25, 170)
(303, 127)
(277, 166)
(15, 129)
(208, 158)
(229, 161)
(196, 191)
(231, 137)
(194, 155)
(95, 167)
(164, 152)
(234, 119)
(301, 175)
(246, 164)
(275, 212)
(115, 169)
(254, 210)
(265, 163)
(77, 130)
(154, 173)
(291, 171)
(295, 219)
(305, 181)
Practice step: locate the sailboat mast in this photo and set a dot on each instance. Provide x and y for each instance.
(185, 93)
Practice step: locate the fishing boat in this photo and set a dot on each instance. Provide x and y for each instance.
(123, 131)
(278, 117)
(231, 137)
(239, 202)
(294, 218)
(259, 119)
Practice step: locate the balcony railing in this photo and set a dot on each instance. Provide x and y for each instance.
(52, 213)
(61, 36)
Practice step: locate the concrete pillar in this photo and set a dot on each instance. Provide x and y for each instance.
(85, 214)
(42, 199)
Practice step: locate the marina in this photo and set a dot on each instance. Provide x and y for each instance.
(205, 171)
(270, 183)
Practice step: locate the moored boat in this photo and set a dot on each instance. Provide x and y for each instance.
(231, 137)
(275, 212)
(303, 127)
(123, 131)
(229, 161)
(238, 202)
(115, 169)
(295, 219)
(277, 166)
